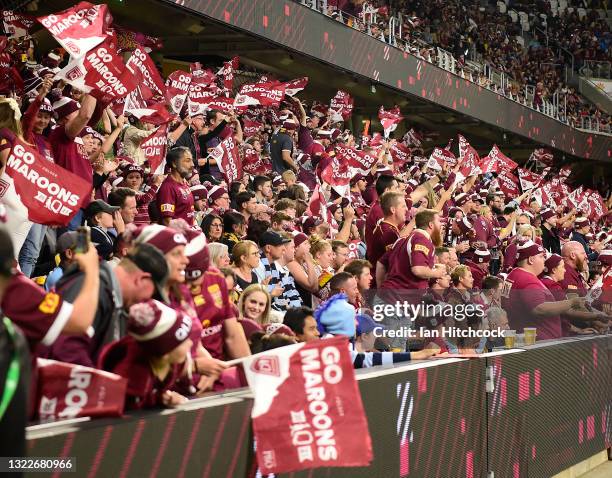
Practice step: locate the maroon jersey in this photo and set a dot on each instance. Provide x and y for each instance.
(414, 250)
(522, 292)
(556, 289)
(40, 315)
(385, 235)
(358, 203)
(484, 231)
(574, 281)
(477, 273)
(70, 153)
(176, 201)
(129, 360)
(213, 308)
(375, 215)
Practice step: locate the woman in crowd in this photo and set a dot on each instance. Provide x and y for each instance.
(254, 304)
(219, 256)
(245, 257)
(323, 255)
(212, 227)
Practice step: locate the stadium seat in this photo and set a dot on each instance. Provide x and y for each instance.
(513, 15)
(501, 6)
(581, 13)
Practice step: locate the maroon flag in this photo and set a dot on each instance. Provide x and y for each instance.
(529, 180)
(575, 197)
(496, 161)
(469, 159)
(356, 161)
(65, 390)
(51, 194)
(80, 28)
(177, 87)
(341, 106)
(16, 25)
(154, 148)
(317, 205)
(100, 72)
(295, 86)
(250, 128)
(227, 72)
(440, 156)
(260, 94)
(141, 65)
(228, 159)
(542, 156)
(508, 183)
(400, 155)
(338, 175)
(253, 163)
(389, 119)
(412, 138)
(200, 95)
(307, 411)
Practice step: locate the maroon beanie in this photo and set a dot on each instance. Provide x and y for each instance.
(199, 257)
(158, 328)
(482, 256)
(64, 106)
(299, 238)
(528, 249)
(162, 237)
(546, 214)
(551, 262)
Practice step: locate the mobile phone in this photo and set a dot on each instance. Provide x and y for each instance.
(83, 240)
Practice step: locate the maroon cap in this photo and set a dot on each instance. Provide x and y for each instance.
(581, 222)
(162, 237)
(482, 256)
(215, 193)
(309, 222)
(199, 257)
(132, 168)
(551, 262)
(250, 327)
(299, 238)
(465, 226)
(199, 192)
(276, 328)
(355, 179)
(64, 106)
(158, 328)
(528, 249)
(461, 199)
(605, 257)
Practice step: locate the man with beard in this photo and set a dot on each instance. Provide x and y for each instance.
(410, 263)
(576, 262)
(174, 198)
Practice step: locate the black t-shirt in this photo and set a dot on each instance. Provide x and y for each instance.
(278, 143)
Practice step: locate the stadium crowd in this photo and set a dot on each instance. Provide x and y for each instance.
(201, 262)
(480, 31)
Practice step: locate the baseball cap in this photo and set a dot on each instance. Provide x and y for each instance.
(365, 324)
(271, 238)
(97, 206)
(149, 258)
(66, 241)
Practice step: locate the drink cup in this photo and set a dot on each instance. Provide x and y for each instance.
(530, 335)
(509, 338)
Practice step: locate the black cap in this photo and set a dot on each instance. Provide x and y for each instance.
(66, 241)
(97, 206)
(271, 238)
(149, 258)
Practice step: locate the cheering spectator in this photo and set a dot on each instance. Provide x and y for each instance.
(174, 198)
(254, 304)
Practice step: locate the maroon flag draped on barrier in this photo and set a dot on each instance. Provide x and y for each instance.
(141, 65)
(100, 72)
(529, 180)
(293, 87)
(253, 163)
(307, 411)
(389, 119)
(341, 106)
(227, 72)
(80, 28)
(177, 87)
(495, 161)
(263, 94)
(154, 148)
(51, 194)
(228, 159)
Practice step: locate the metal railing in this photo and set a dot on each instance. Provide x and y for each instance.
(596, 69)
(589, 123)
(484, 75)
